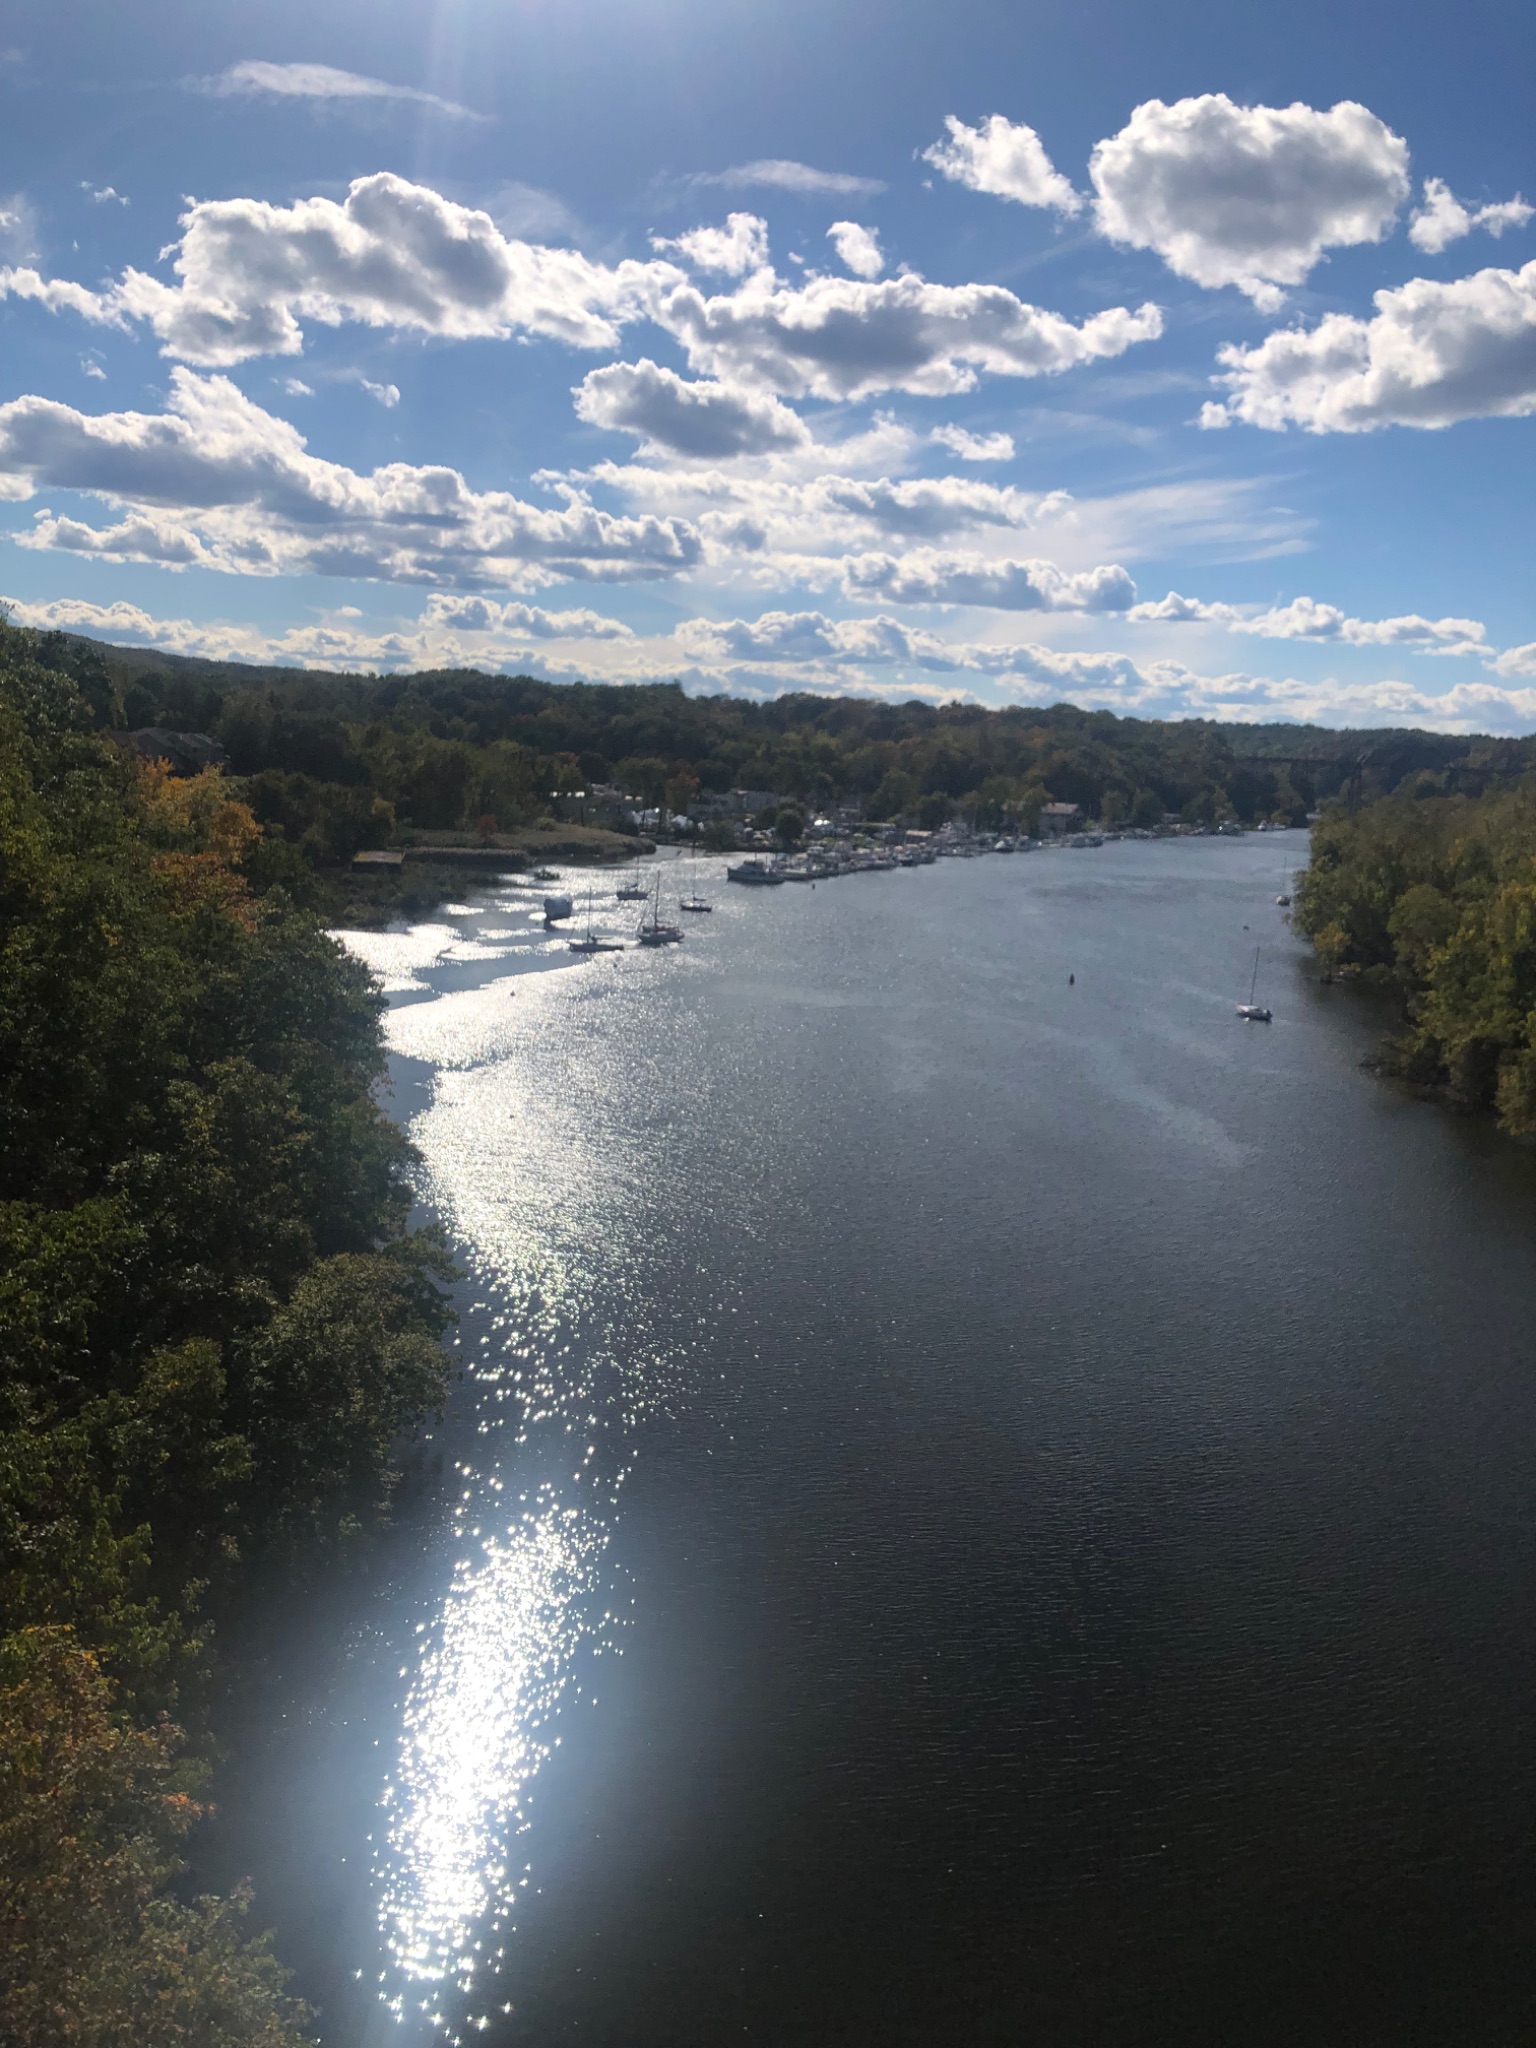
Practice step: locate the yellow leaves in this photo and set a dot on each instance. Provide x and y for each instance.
(203, 834)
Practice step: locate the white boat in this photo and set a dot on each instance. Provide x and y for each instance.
(756, 874)
(593, 942)
(652, 931)
(557, 907)
(1253, 1012)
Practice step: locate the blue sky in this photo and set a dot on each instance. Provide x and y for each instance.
(1177, 360)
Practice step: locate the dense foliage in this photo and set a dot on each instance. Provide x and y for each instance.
(336, 762)
(213, 1326)
(1438, 894)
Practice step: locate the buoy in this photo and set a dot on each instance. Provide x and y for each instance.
(1071, 981)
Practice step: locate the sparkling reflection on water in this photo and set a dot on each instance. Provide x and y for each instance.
(1054, 1463)
(557, 1186)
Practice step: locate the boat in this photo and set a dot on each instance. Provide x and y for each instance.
(756, 874)
(545, 875)
(652, 931)
(694, 903)
(632, 889)
(557, 907)
(593, 942)
(1283, 900)
(1253, 1012)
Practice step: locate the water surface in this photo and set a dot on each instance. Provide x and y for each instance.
(983, 1508)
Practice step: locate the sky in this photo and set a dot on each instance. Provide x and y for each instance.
(1179, 361)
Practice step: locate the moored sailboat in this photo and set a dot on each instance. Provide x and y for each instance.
(1254, 1012)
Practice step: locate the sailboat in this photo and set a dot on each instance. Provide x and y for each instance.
(694, 902)
(1253, 1012)
(632, 889)
(590, 941)
(652, 931)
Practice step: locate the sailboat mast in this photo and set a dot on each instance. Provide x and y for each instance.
(1253, 985)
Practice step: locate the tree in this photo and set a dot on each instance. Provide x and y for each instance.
(789, 824)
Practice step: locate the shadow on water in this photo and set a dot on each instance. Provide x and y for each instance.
(984, 1506)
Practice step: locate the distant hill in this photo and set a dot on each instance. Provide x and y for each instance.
(349, 760)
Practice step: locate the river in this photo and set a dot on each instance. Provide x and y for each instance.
(990, 1501)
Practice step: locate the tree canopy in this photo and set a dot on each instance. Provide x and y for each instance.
(214, 1324)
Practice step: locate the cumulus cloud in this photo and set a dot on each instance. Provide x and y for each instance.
(1006, 158)
(809, 636)
(387, 395)
(783, 174)
(1304, 618)
(1248, 196)
(531, 621)
(706, 420)
(397, 255)
(805, 650)
(58, 295)
(858, 248)
(741, 245)
(322, 82)
(478, 633)
(392, 254)
(974, 447)
(845, 338)
(1442, 219)
(1431, 354)
(927, 576)
(243, 485)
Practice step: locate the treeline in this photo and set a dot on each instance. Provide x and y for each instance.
(334, 763)
(213, 1325)
(1436, 895)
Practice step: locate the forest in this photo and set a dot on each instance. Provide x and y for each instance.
(214, 1327)
(334, 763)
(1434, 896)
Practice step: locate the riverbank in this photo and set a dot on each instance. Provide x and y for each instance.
(215, 1327)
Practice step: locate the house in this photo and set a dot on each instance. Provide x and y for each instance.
(1058, 819)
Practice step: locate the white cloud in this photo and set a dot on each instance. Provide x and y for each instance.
(322, 82)
(974, 447)
(252, 500)
(1431, 354)
(741, 245)
(927, 576)
(295, 387)
(103, 194)
(808, 636)
(847, 338)
(1005, 158)
(531, 621)
(1304, 618)
(397, 255)
(1248, 196)
(92, 368)
(803, 650)
(1443, 219)
(783, 174)
(387, 395)
(1517, 661)
(392, 254)
(858, 248)
(706, 420)
(58, 295)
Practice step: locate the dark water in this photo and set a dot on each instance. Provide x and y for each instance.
(984, 1510)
